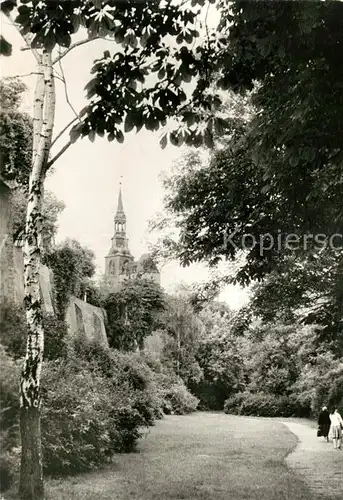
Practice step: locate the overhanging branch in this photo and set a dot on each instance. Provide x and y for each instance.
(82, 42)
(73, 46)
(58, 155)
(63, 130)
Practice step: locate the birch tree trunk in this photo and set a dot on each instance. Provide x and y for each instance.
(31, 472)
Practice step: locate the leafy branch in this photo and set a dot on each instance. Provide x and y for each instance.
(73, 46)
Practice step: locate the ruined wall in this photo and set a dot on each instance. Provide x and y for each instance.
(86, 320)
(12, 262)
(11, 282)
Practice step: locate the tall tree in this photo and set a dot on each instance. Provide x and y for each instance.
(290, 149)
(291, 49)
(305, 290)
(133, 313)
(184, 328)
(120, 96)
(219, 356)
(279, 173)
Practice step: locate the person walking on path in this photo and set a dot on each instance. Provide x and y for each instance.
(336, 428)
(324, 423)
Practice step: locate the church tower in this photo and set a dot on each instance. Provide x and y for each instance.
(119, 261)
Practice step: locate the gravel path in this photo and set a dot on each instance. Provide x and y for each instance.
(316, 461)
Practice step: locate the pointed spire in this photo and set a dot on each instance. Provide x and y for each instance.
(120, 201)
(120, 208)
(120, 215)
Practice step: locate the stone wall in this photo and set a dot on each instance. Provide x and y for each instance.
(12, 263)
(5, 250)
(91, 319)
(86, 320)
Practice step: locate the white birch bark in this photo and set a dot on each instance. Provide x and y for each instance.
(42, 139)
(31, 480)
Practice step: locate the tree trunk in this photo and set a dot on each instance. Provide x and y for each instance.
(31, 472)
(31, 476)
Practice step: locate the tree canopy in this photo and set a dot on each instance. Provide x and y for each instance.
(280, 171)
(153, 39)
(277, 175)
(15, 134)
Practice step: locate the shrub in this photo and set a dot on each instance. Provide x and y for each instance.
(13, 328)
(86, 417)
(264, 405)
(233, 404)
(95, 403)
(125, 369)
(126, 432)
(178, 400)
(9, 418)
(146, 395)
(173, 395)
(55, 335)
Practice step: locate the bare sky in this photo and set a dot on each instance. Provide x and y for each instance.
(87, 176)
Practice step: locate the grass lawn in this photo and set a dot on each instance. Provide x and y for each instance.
(204, 456)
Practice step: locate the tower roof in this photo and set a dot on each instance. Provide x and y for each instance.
(120, 215)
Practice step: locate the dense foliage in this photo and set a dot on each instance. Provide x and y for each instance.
(133, 313)
(51, 209)
(15, 153)
(279, 171)
(307, 289)
(72, 265)
(97, 401)
(219, 356)
(15, 134)
(9, 426)
(286, 373)
(248, 366)
(202, 347)
(142, 31)
(184, 331)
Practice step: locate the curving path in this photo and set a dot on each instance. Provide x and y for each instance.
(316, 462)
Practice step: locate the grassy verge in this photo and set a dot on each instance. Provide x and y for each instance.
(203, 456)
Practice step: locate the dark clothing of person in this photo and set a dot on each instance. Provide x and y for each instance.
(324, 422)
